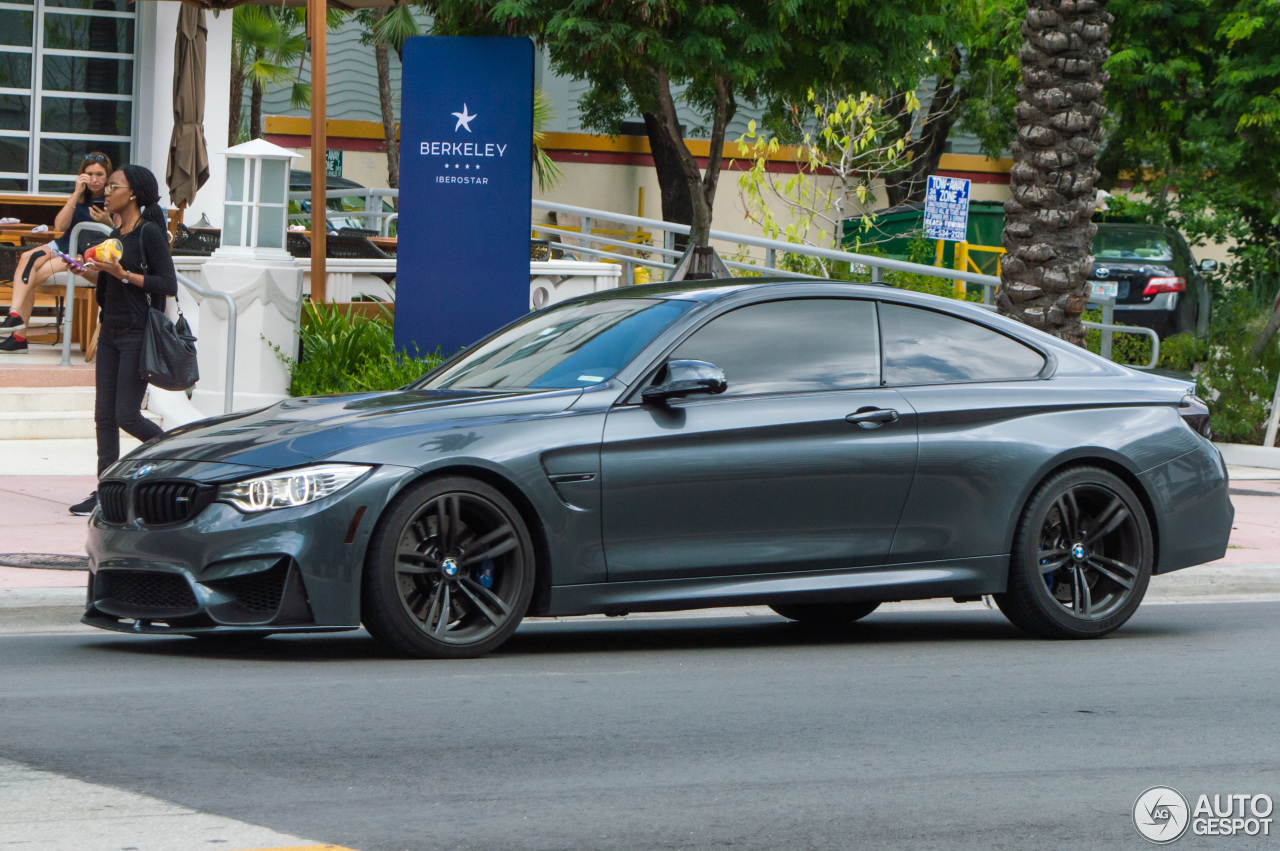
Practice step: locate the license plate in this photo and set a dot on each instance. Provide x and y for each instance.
(1103, 289)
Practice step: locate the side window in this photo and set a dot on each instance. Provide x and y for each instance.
(791, 346)
(926, 347)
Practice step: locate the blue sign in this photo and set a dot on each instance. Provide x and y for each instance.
(946, 208)
(466, 137)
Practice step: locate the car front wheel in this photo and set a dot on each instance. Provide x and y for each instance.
(1082, 557)
(450, 572)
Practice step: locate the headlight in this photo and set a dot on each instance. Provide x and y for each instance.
(291, 488)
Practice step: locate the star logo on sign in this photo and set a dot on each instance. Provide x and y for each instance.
(464, 119)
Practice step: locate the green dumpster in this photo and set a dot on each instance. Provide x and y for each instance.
(895, 229)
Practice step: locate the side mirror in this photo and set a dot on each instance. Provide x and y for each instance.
(1208, 265)
(686, 378)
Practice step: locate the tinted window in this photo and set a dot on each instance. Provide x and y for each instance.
(1120, 243)
(791, 346)
(573, 345)
(925, 347)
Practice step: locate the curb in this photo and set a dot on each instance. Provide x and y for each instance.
(1244, 455)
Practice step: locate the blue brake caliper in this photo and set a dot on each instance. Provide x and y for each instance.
(485, 576)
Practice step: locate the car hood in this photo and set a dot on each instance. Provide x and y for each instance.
(298, 431)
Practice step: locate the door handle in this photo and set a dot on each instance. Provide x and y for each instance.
(872, 417)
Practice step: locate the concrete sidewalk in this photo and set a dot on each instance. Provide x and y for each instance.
(34, 507)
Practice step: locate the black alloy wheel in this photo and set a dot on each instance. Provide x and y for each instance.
(450, 572)
(1082, 557)
(825, 615)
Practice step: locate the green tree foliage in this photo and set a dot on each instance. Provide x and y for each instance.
(1195, 102)
(639, 56)
(266, 43)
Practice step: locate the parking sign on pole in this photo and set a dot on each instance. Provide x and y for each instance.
(946, 208)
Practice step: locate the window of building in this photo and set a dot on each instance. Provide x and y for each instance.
(66, 88)
(927, 347)
(791, 346)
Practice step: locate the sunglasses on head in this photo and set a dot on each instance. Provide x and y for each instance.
(94, 158)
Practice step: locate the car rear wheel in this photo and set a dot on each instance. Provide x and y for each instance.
(825, 614)
(450, 572)
(1082, 557)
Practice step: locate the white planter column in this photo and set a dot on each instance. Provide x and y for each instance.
(253, 267)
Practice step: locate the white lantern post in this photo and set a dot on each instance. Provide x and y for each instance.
(254, 267)
(256, 210)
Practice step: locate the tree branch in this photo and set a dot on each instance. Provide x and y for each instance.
(725, 109)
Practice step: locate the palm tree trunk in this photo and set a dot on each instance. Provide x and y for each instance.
(1047, 232)
(383, 62)
(237, 96)
(255, 110)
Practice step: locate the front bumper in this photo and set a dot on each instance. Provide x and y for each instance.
(293, 569)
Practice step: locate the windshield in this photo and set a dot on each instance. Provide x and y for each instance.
(562, 347)
(1120, 244)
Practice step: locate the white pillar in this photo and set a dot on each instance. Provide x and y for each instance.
(158, 23)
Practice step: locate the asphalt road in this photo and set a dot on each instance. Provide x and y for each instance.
(917, 730)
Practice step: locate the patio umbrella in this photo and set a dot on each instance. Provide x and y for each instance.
(188, 166)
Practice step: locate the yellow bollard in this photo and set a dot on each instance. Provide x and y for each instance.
(962, 262)
(642, 275)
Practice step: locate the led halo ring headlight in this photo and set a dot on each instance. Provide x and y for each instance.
(290, 488)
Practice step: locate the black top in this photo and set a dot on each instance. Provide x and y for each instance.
(124, 306)
(87, 238)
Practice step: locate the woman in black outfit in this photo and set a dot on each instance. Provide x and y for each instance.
(144, 277)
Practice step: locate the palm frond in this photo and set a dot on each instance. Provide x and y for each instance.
(300, 95)
(544, 168)
(396, 27)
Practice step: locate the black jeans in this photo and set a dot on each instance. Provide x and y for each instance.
(119, 394)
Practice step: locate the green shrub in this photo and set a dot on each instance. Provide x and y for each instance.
(1239, 390)
(1183, 352)
(347, 353)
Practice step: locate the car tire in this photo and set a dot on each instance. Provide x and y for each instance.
(1082, 557)
(825, 615)
(450, 571)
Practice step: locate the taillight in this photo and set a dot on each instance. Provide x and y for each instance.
(1156, 286)
(1195, 413)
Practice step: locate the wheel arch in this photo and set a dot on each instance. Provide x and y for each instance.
(509, 489)
(1102, 459)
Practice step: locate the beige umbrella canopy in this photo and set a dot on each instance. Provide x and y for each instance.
(316, 33)
(188, 166)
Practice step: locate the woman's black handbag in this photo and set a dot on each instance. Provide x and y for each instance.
(168, 356)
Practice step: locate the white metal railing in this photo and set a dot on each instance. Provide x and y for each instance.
(229, 392)
(875, 266)
(598, 246)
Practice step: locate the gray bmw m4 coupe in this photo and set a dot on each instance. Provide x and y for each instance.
(819, 448)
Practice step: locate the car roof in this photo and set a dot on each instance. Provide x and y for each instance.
(715, 289)
(730, 289)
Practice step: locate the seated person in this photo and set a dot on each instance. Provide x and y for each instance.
(84, 204)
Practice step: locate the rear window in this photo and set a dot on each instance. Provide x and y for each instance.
(1122, 244)
(926, 347)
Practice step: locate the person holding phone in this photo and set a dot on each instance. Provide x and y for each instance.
(84, 204)
(143, 278)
